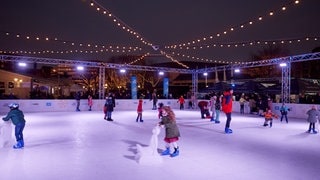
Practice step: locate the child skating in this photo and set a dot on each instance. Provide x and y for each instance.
(17, 118)
(313, 117)
(268, 116)
(171, 131)
(139, 111)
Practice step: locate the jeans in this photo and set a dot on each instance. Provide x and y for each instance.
(18, 131)
(109, 113)
(242, 109)
(285, 116)
(228, 119)
(217, 115)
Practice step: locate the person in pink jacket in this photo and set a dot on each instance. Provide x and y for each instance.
(139, 110)
(90, 103)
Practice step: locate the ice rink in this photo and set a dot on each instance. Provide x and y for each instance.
(82, 145)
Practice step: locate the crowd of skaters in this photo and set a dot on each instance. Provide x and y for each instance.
(216, 103)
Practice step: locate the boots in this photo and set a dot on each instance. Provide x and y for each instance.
(271, 124)
(166, 152)
(175, 153)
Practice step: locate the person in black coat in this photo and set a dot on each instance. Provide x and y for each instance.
(108, 108)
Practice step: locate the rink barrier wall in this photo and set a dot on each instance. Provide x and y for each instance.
(53, 105)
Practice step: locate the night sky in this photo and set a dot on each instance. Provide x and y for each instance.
(163, 23)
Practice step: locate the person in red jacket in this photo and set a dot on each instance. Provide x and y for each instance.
(227, 108)
(181, 102)
(139, 110)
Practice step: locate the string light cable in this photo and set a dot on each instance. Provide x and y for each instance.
(67, 42)
(234, 28)
(130, 30)
(118, 22)
(250, 43)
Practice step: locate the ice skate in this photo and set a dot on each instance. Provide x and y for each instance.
(18, 145)
(228, 131)
(175, 153)
(166, 152)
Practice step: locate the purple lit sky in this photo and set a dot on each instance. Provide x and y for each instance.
(162, 23)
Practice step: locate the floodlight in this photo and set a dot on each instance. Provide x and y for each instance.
(283, 64)
(80, 68)
(22, 64)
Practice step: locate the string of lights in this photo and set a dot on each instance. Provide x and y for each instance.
(69, 51)
(241, 44)
(195, 44)
(139, 59)
(201, 59)
(118, 22)
(128, 29)
(173, 60)
(248, 43)
(237, 27)
(72, 43)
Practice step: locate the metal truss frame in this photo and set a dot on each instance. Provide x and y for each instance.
(286, 71)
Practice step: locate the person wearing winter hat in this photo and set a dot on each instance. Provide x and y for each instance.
(17, 118)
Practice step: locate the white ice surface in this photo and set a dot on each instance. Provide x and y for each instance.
(82, 145)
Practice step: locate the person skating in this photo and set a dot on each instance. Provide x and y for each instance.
(213, 100)
(181, 102)
(218, 109)
(108, 106)
(90, 102)
(227, 108)
(171, 130)
(139, 111)
(204, 110)
(78, 98)
(17, 118)
(241, 102)
(313, 117)
(284, 111)
(160, 106)
(268, 117)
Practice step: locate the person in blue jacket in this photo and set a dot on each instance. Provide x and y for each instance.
(17, 118)
(284, 111)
